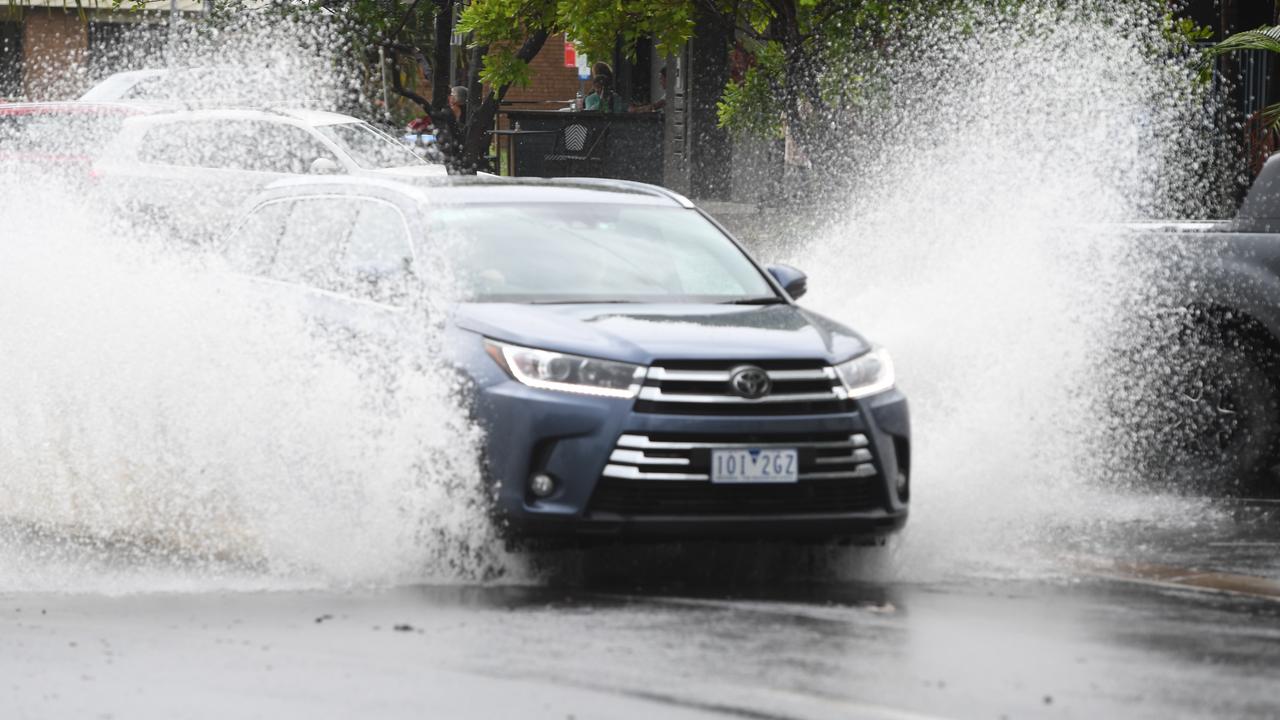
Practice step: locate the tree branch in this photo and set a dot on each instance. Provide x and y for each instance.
(404, 20)
(477, 134)
(398, 87)
(712, 6)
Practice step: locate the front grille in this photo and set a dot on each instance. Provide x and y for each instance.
(671, 475)
(701, 387)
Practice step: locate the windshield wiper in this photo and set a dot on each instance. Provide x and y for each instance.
(766, 300)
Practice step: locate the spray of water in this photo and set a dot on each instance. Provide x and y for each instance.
(158, 418)
(972, 250)
(157, 413)
(168, 425)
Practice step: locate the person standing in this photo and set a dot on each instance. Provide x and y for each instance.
(451, 130)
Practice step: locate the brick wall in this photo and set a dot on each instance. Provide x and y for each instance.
(55, 46)
(550, 79)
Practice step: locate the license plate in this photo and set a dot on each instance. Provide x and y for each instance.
(754, 466)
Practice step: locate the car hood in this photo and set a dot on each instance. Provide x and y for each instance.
(643, 333)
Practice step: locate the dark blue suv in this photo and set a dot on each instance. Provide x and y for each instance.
(636, 372)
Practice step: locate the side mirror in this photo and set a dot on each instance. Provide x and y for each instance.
(793, 280)
(324, 166)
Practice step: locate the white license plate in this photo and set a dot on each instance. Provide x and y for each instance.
(754, 466)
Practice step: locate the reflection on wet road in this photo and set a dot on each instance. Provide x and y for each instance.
(616, 638)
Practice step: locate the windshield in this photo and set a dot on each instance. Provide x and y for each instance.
(578, 252)
(370, 148)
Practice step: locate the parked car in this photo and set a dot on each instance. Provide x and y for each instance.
(1215, 354)
(205, 85)
(167, 166)
(637, 373)
(130, 85)
(59, 136)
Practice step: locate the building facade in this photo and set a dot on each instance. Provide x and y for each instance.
(53, 50)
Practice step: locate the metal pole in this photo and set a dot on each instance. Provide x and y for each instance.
(173, 27)
(386, 98)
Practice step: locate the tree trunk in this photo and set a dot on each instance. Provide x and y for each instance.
(395, 52)
(708, 152)
(808, 118)
(397, 85)
(475, 87)
(442, 54)
(479, 125)
(806, 114)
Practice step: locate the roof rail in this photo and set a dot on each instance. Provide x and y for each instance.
(633, 185)
(275, 107)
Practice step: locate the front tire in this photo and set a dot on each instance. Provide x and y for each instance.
(1218, 422)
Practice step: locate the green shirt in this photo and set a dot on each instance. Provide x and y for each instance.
(592, 102)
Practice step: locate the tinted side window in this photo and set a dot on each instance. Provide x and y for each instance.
(282, 148)
(189, 145)
(313, 240)
(252, 247)
(378, 254)
(253, 145)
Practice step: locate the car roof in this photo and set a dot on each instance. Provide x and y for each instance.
(314, 118)
(132, 74)
(480, 190)
(75, 107)
(117, 85)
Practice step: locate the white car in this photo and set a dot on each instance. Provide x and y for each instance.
(208, 86)
(168, 165)
(125, 86)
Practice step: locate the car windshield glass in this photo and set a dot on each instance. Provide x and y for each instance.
(370, 148)
(580, 252)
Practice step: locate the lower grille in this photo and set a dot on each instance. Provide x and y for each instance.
(644, 497)
(671, 475)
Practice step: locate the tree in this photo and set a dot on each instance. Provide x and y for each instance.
(794, 41)
(507, 35)
(412, 34)
(800, 63)
(418, 33)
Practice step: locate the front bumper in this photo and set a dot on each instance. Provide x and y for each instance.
(571, 437)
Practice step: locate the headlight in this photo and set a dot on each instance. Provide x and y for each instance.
(867, 374)
(570, 373)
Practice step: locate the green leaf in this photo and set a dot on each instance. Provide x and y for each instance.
(1264, 38)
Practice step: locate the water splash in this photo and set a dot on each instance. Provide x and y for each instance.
(158, 411)
(167, 432)
(974, 250)
(167, 426)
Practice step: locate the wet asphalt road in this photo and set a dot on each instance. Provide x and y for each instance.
(1194, 635)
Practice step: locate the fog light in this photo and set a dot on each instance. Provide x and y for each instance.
(901, 485)
(542, 485)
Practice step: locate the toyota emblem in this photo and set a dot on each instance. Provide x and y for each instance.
(750, 382)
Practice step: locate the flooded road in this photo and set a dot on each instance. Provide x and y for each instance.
(1196, 634)
(210, 510)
